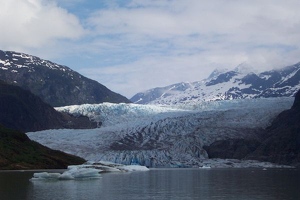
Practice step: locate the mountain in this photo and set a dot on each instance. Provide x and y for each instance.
(163, 136)
(239, 83)
(17, 151)
(21, 110)
(157, 93)
(55, 84)
(282, 143)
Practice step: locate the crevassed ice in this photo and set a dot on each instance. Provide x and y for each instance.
(161, 136)
(115, 114)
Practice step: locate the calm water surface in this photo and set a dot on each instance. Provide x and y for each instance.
(166, 184)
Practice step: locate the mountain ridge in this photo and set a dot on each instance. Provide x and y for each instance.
(239, 83)
(55, 84)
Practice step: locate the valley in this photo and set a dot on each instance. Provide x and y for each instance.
(233, 116)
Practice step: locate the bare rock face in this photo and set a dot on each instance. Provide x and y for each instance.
(279, 143)
(235, 148)
(282, 144)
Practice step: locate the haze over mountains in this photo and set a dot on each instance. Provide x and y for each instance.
(240, 83)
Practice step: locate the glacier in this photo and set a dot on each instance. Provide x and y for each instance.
(162, 136)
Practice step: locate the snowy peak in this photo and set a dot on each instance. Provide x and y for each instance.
(55, 84)
(13, 61)
(244, 68)
(240, 83)
(160, 92)
(224, 77)
(217, 72)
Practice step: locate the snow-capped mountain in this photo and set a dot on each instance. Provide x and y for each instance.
(239, 83)
(55, 84)
(162, 136)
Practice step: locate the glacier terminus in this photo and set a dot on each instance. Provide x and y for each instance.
(164, 136)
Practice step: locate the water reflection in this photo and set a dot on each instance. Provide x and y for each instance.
(67, 190)
(183, 184)
(14, 185)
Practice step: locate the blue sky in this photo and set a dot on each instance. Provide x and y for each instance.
(130, 46)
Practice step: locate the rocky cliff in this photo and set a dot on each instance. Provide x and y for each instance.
(22, 110)
(282, 143)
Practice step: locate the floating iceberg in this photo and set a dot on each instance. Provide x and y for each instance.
(80, 172)
(46, 175)
(87, 171)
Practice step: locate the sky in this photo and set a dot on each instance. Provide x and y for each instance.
(134, 45)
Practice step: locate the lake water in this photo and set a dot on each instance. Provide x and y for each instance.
(164, 184)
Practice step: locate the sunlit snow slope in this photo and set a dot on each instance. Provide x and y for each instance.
(240, 83)
(157, 136)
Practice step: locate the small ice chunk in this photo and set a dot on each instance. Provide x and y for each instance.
(131, 168)
(80, 172)
(46, 175)
(73, 173)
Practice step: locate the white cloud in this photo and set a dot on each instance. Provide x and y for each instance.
(134, 45)
(238, 22)
(157, 71)
(35, 24)
(171, 41)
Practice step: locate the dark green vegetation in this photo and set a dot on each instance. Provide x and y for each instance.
(21, 110)
(280, 142)
(26, 82)
(17, 151)
(55, 84)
